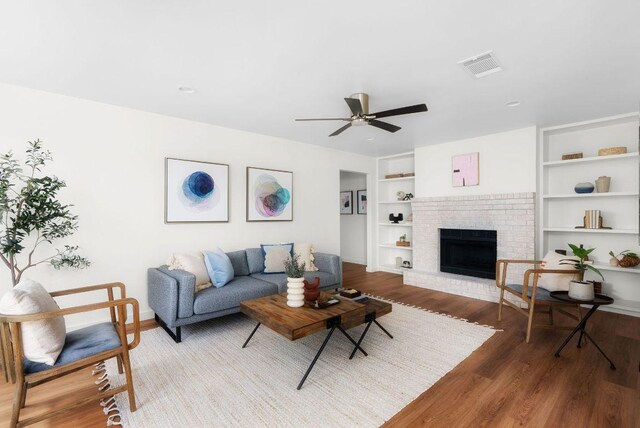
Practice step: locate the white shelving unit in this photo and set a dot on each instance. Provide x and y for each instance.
(560, 209)
(388, 233)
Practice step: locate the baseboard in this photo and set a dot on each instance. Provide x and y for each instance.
(356, 261)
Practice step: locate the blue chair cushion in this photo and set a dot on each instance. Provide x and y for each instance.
(541, 293)
(80, 344)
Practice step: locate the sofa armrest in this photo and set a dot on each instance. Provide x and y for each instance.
(329, 263)
(186, 290)
(163, 293)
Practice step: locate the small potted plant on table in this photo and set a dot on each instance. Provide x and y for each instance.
(295, 281)
(581, 290)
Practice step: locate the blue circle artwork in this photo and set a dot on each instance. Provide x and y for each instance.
(198, 187)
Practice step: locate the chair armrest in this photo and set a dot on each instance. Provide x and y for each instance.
(16, 319)
(539, 272)
(109, 286)
(501, 275)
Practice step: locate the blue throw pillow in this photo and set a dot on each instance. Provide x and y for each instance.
(275, 256)
(219, 267)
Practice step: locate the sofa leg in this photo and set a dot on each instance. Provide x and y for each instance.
(177, 336)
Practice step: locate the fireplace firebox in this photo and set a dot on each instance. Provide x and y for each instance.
(468, 252)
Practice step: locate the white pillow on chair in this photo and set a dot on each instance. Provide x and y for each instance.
(556, 281)
(42, 340)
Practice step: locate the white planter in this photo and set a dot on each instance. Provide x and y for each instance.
(581, 290)
(295, 292)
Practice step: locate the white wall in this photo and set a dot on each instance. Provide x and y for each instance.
(507, 164)
(112, 159)
(353, 228)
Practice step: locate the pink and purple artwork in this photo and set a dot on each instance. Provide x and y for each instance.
(466, 170)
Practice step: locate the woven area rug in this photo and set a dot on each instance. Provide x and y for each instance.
(209, 380)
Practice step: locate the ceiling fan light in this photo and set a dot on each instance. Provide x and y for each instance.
(359, 122)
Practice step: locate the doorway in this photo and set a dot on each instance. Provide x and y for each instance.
(353, 217)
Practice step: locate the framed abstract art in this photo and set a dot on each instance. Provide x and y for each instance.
(269, 195)
(195, 192)
(362, 201)
(466, 170)
(346, 202)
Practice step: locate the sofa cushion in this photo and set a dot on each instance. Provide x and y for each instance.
(275, 256)
(255, 260)
(241, 288)
(327, 280)
(42, 340)
(219, 267)
(80, 344)
(239, 262)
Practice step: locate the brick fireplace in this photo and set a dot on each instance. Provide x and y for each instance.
(510, 215)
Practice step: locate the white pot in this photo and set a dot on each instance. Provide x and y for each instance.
(295, 292)
(581, 290)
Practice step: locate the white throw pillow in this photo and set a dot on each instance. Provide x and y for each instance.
(42, 340)
(556, 281)
(305, 252)
(192, 263)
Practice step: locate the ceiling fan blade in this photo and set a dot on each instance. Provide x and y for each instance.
(402, 110)
(339, 131)
(333, 118)
(354, 105)
(384, 125)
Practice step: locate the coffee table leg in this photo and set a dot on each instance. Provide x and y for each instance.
(326, 340)
(251, 335)
(357, 344)
(382, 328)
(364, 333)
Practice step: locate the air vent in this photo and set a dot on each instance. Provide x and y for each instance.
(481, 65)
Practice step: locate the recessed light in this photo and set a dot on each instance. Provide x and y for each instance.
(186, 89)
(371, 138)
(513, 104)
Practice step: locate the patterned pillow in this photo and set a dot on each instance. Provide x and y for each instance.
(192, 263)
(305, 252)
(275, 255)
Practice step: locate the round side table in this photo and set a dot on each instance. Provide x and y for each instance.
(597, 301)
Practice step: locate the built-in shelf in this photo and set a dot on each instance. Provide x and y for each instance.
(392, 268)
(573, 230)
(616, 268)
(394, 202)
(591, 159)
(382, 180)
(397, 247)
(592, 195)
(397, 225)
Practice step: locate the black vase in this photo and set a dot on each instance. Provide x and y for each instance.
(395, 218)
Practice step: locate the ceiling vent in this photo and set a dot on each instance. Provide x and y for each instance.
(481, 65)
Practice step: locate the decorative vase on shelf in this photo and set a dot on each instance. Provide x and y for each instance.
(581, 290)
(602, 184)
(295, 292)
(584, 188)
(613, 261)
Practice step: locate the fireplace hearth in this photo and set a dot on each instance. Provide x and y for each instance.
(468, 252)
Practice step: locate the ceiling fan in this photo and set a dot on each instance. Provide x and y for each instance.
(359, 105)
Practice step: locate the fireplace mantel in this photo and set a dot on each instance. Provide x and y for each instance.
(511, 215)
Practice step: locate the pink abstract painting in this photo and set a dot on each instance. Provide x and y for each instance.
(466, 170)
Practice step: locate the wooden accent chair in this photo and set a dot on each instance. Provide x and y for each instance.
(83, 348)
(533, 296)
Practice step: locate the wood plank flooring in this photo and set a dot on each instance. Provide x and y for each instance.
(506, 382)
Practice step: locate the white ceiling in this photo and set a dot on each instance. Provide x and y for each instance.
(257, 65)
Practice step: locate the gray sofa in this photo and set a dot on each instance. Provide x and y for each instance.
(173, 298)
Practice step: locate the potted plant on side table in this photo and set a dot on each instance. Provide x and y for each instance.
(581, 290)
(295, 281)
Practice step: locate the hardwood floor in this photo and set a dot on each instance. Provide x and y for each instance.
(506, 382)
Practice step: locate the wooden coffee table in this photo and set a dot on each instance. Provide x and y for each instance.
(295, 323)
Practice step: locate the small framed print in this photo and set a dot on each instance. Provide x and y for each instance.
(195, 191)
(466, 170)
(361, 196)
(269, 195)
(346, 202)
